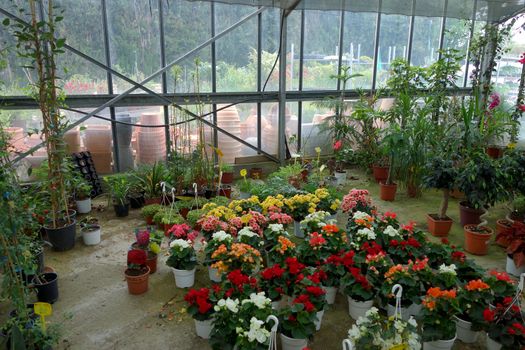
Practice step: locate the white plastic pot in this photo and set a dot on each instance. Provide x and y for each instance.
(439, 344)
(184, 278)
(214, 275)
(358, 309)
(203, 328)
(317, 323)
(492, 344)
(292, 343)
(464, 331)
(512, 269)
(91, 235)
(331, 292)
(297, 229)
(84, 206)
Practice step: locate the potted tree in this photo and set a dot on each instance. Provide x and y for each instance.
(137, 273)
(391, 144)
(118, 187)
(484, 183)
(441, 175)
(182, 261)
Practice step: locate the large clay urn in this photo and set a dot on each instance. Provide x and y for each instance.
(151, 142)
(228, 119)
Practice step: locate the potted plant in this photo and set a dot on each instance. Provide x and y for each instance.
(90, 229)
(391, 144)
(150, 243)
(137, 273)
(340, 172)
(82, 190)
(194, 216)
(149, 211)
(503, 232)
(46, 285)
(297, 323)
(218, 239)
(335, 270)
(118, 187)
(227, 173)
(439, 308)
(473, 298)
(245, 185)
(505, 326)
(182, 261)
(151, 178)
(483, 183)
(184, 206)
(518, 209)
(298, 207)
(515, 236)
(441, 175)
(357, 200)
(374, 332)
(201, 308)
(166, 218)
(310, 286)
(359, 292)
(136, 192)
(273, 283)
(239, 256)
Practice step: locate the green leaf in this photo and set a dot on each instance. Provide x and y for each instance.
(6, 22)
(17, 339)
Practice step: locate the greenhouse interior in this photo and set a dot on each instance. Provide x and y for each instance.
(262, 174)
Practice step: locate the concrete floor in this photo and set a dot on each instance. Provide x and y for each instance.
(100, 314)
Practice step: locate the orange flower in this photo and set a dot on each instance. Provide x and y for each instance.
(429, 304)
(284, 244)
(393, 270)
(221, 250)
(478, 285)
(330, 229)
(436, 292)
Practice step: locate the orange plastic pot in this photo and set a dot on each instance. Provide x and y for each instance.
(468, 215)
(137, 284)
(388, 192)
(380, 173)
(494, 152)
(151, 262)
(477, 239)
(438, 227)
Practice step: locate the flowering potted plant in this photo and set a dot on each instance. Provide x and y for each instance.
(516, 248)
(147, 241)
(243, 323)
(310, 285)
(314, 222)
(272, 282)
(283, 249)
(439, 308)
(182, 261)
(298, 207)
(247, 236)
(336, 240)
(339, 173)
(329, 200)
(505, 326)
(137, 272)
(359, 220)
(210, 224)
(297, 323)
(375, 333)
(238, 256)
(501, 284)
(200, 307)
(218, 238)
(357, 200)
(313, 250)
(237, 285)
(272, 233)
(334, 270)
(473, 298)
(359, 292)
(182, 231)
(293, 269)
(245, 185)
(276, 217)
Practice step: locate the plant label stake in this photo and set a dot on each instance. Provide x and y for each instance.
(195, 191)
(397, 290)
(347, 345)
(273, 336)
(43, 310)
(517, 297)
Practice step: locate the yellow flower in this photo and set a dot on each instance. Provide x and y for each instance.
(511, 145)
(311, 210)
(243, 173)
(318, 150)
(238, 208)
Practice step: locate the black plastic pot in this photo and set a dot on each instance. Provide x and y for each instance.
(121, 210)
(136, 201)
(62, 238)
(47, 291)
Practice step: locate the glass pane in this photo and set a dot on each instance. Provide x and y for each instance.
(293, 50)
(134, 41)
(312, 135)
(237, 51)
(321, 49)
(359, 42)
(393, 41)
(426, 36)
(270, 44)
(190, 21)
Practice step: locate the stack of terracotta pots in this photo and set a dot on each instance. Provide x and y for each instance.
(228, 119)
(72, 139)
(150, 142)
(97, 139)
(16, 139)
(124, 133)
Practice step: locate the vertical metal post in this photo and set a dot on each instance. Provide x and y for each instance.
(300, 104)
(164, 76)
(214, 77)
(472, 27)
(376, 48)
(341, 38)
(259, 80)
(443, 26)
(109, 78)
(411, 32)
(282, 91)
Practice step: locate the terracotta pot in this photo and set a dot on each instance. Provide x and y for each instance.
(227, 178)
(226, 191)
(156, 200)
(256, 173)
(438, 227)
(137, 284)
(98, 138)
(475, 242)
(184, 212)
(380, 173)
(501, 226)
(149, 220)
(468, 215)
(494, 152)
(151, 262)
(388, 192)
(229, 120)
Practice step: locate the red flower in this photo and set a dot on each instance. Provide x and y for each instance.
(393, 243)
(488, 315)
(390, 215)
(291, 318)
(137, 257)
(337, 145)
(501, 276)
(317, 276)
(238, 278)
(445, 240)
(294, 267)
(143, 238)
(413, 242)
(522, 59)
(521, 108)
(317, 240)
(511, 331)
(459, 256)
(272, 272)
(314, 290)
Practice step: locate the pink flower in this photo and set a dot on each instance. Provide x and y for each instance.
(337, 145)
(522, 58)
(521, 108)
(143, 238)
(495, 101)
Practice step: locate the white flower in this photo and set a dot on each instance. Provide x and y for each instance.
(354, 333)
(276, 227)
(246, 232)
(221, 236)
(412, 322)
(390, 231)
(260, 300)
(232, 305)
(448, 269)
(366, 232)
(360, 215)
(181, 243)
(257, 332)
